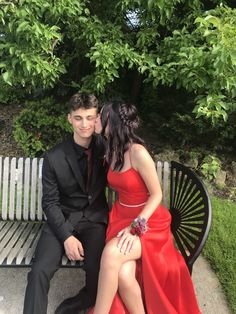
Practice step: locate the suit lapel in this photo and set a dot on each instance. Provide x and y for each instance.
(71, 158)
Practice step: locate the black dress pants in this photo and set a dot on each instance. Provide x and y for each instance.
(48, 256)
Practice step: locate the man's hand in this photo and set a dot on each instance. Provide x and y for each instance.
(74, 249)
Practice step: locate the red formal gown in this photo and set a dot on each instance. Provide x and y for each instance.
(162, 273)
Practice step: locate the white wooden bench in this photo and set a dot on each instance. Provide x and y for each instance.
(22, 218)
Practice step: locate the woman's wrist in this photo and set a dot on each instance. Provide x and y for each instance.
(138, 226)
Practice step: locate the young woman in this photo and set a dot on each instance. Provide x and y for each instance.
(141, 271)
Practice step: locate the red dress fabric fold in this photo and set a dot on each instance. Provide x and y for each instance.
(162, 273)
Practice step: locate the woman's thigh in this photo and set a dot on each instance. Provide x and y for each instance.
(112, 251)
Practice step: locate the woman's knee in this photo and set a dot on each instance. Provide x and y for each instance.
(110, 256)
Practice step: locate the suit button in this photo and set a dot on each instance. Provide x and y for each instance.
(89, 197)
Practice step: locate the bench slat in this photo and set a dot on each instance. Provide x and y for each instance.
(11, 210)
(26, 189)
(4, 226)
(13, 234)
(19, 189)
(7, 232)
(39, 201)
(8, 240)
(33, 189)
(34, 229)
(23, 243)
(184, 193)
(165, 189)
(159, 167)
(5, 188)
(1, 160)
(31, 249)
(22, 237)
(65, 261)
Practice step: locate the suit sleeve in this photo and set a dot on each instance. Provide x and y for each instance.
(51, 203)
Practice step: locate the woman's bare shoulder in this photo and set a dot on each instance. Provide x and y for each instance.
(137, 147)
(138, 152)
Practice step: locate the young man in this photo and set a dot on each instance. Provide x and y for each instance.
(74, 202)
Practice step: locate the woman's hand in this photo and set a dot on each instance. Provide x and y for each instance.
(126, 240)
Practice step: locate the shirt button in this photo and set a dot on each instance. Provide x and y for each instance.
(89, 197)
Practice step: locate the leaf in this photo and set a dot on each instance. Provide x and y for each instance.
(201, 21)
(28, 66)
(213, 20)
(86, 11)
(23, 25)
(37, 28)
(6, 78)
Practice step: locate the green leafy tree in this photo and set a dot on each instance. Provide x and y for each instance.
(110, 46)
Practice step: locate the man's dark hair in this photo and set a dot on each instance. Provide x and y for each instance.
(82, 100)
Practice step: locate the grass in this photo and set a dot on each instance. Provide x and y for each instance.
(220, 248)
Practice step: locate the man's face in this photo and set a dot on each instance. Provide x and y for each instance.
(83, 122)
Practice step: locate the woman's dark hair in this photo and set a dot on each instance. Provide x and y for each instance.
(122, 120)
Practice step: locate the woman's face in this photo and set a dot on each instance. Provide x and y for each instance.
(98, 125)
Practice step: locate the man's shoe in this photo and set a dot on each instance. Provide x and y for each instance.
(71, 306)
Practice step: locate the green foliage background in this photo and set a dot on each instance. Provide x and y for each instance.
(41, 125)
(175, 55)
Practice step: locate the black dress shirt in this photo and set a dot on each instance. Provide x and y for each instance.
(82, 158)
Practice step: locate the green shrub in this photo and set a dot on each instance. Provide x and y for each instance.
(40, 125)
(210, 167)
(9, 94)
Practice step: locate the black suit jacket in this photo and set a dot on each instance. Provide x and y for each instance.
(65, 199)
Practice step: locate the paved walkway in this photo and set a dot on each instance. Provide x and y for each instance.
(209, 293)
(13, 281)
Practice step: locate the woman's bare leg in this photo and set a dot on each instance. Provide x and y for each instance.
(111, 262)
(129, 288)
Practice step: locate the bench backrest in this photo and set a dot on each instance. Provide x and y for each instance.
(21, 188)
